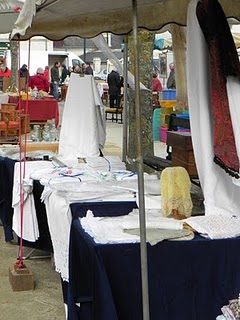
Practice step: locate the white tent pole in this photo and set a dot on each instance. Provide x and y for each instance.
(125, 101)
(139, 161)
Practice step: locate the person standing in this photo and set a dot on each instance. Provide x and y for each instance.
(4, 71)
(156, 84)
(55, 78)
(39, 81)
(171, 84)
(88, 69)
(77, 69)
(23, 72)
(156, 88)
(65, 73)
(114, 84)
(46, 72)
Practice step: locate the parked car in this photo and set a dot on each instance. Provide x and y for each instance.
(102, 75)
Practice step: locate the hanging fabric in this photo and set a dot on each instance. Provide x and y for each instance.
(224, 62)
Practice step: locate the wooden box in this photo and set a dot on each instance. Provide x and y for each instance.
(41, 146)
(182, 151)
(180, 140)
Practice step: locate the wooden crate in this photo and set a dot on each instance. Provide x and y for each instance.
(40, 146)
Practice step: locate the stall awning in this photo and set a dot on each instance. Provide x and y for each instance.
(57, 19)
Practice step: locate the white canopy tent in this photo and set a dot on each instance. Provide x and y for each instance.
(57, 19)
(9, 11)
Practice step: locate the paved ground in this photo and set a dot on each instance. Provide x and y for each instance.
(44, 302)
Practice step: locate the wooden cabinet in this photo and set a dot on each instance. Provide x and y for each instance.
(182, 151)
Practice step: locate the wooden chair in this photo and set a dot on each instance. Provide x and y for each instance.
(10, 121)
(114, 112)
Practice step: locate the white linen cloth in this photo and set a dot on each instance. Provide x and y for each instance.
(59, 220)
(108, 163)
(30, 230)
(220, 194)
(216, 226)
(60, 192)
(111, 229)
(83, 130)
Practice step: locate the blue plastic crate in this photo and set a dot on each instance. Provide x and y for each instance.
(169, 94)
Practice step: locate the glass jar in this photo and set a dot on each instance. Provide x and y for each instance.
(36, 133)
(46, 133)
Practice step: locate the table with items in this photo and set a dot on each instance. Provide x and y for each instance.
(187, 279)
(41, 110)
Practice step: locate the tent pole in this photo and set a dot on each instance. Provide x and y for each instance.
(139, 162)
(125, 100)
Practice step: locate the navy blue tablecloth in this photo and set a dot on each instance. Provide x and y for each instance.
(6, 185)
(188, 280)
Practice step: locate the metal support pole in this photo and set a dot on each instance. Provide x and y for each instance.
(143, 245)
(125, 100)
(84, 49)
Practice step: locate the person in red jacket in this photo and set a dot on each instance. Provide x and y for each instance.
(4, 71)
(156, 84)
(39, 81)
(156, 88)
(46, 72)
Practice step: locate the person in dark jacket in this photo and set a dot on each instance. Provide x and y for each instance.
(114, 85)
(171, 84)
(55, 78)
(23, 72)
(65, 73)
(88, 69)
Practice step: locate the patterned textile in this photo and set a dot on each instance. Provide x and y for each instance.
(232, 310)
(223, 63)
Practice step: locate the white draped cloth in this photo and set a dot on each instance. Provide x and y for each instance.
(59, 220)
(83, 129)
(220, 193)
(30, 231)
